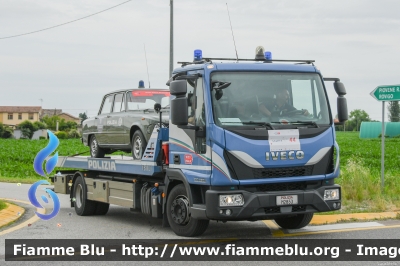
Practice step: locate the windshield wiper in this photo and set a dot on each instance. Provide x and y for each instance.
(259, 123)
(306, 123)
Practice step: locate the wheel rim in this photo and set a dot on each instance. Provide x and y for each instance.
(137, 147)
(180, 210)
(94, 146)
(78, 195)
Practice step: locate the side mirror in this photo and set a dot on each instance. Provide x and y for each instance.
(342, 109)
(178, 87)
(339, 88)
(179, 105)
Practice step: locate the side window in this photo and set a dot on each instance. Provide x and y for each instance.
(200, 117)
(119, 105)
(200, 108)
(191, 101)
(107, 103)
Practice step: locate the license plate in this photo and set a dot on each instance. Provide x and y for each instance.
(286, 200)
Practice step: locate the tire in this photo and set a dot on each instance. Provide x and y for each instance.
(138, 145)
(102, 208)
(295, 222)
(95, 150)
(178, 214)
(83, 206)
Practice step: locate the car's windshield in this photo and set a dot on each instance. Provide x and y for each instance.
(145, 99)
(276, 98)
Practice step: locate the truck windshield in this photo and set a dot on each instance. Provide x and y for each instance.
(273, 98)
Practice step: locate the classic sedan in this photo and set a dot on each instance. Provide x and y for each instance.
(125, 121)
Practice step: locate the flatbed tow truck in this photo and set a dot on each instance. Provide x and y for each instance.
(229, 162)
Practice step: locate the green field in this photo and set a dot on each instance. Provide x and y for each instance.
(359, 159)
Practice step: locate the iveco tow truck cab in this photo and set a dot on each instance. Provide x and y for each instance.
(240, 162)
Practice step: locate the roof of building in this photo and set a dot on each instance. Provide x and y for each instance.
(20, 109)
(73, 117)
(51, 112)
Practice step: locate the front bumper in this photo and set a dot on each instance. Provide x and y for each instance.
(262, 205)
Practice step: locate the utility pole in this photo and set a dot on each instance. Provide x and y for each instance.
(171, 37)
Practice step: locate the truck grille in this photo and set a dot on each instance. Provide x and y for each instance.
(282, 172)
(282, 186)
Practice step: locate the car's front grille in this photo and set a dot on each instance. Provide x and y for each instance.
(282, 172)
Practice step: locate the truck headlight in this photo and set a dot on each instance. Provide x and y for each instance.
(331, 194)
(231, 200)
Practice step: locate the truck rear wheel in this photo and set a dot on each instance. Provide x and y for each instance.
(95, 150)
(83, 206)
(295, 222)
(102, 208)
(138, 145)
(179, 216)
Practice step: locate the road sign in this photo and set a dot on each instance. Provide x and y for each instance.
(386, 93)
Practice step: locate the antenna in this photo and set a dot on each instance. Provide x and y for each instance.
(148, 77)
(237, 57)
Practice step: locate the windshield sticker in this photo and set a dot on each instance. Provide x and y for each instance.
(284, 140)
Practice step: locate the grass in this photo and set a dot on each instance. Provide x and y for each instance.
(360, 161)
(3, 205)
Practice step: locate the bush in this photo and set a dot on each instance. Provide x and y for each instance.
(27, 129)
(41, 137)
(39, 125)
(73, 134)
(6, 132)
(61, 134)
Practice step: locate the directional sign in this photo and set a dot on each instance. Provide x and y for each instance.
(386, 93)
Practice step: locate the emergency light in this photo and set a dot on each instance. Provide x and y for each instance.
(268, 55)
(198, 55)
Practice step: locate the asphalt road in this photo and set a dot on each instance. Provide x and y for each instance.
(120, 223)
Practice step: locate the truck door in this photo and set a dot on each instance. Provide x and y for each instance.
(188, 147)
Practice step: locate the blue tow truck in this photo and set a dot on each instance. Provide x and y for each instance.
(247, 139)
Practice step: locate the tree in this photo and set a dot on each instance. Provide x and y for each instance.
(394, 111)
(27, 129)
(83, 117)
(356, 117)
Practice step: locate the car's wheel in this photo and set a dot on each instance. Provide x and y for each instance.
(83, 206)
(95, 150)
(138, 145)
(295, 222)
(179, 216)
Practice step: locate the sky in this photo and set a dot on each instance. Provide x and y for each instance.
(71, 67)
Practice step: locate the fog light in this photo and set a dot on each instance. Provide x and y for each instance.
(221, 211)
(334, 205)
(231, 200)
(331, 194)
(228, 212)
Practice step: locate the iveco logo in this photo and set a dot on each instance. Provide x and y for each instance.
(284, 155)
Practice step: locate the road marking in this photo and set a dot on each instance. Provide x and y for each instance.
(276, 231)
(24, 224)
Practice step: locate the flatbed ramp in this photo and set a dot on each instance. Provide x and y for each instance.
(115, 164)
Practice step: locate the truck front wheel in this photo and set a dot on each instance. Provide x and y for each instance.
(295, 222)
(179, 216)
(83, 206)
